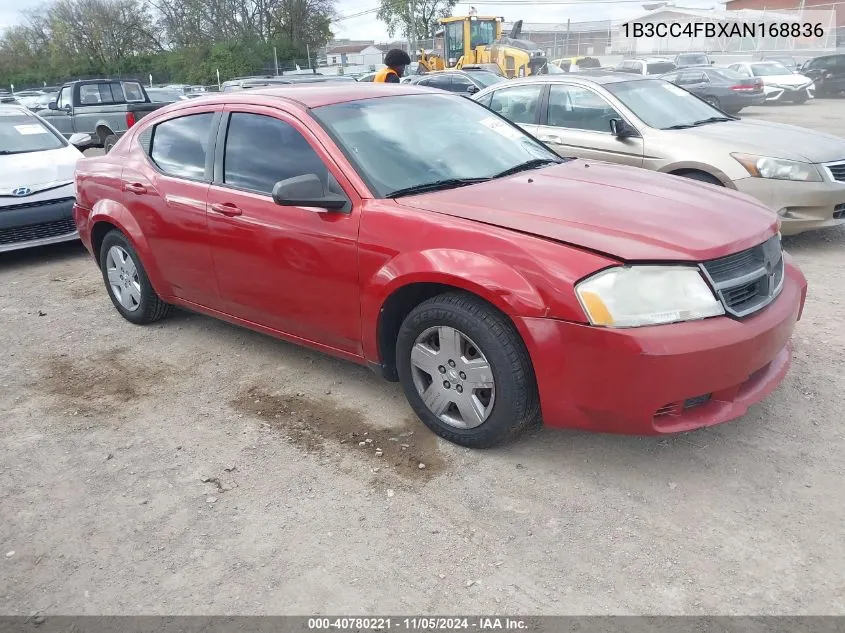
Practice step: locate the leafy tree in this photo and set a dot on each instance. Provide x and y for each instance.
(416, 19)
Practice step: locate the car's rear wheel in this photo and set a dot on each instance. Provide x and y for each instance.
(110, 142)
(466, 371)
(127, 283)
(800, 98)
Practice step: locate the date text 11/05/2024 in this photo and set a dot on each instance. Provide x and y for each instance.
(417, 624)
(724, 29)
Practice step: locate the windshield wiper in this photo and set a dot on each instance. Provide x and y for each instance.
(437, 185)
(529, 164)
(712, 119)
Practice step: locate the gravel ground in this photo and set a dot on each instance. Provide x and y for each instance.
(193, 467)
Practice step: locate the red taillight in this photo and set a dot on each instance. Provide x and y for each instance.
(743, 87)
(130, 119)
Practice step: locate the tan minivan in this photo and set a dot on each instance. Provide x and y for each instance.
(651, 123)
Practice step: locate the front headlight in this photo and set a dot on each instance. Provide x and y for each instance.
(633, 296)
(778, 168)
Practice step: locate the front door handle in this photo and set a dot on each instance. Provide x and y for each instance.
(135, 187)
(226, 208)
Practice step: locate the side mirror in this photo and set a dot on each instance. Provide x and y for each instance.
(472, 89)
(621, 129)
(307, 191)
(712, 62)
(53, 105)
(80, 140)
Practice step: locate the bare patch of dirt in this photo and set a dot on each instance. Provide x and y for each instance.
(96, 383)
(82, 287)
(320, 427)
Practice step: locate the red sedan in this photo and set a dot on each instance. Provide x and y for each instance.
(426, 236)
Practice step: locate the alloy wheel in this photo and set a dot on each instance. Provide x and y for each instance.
(123, 278)
(453, 377)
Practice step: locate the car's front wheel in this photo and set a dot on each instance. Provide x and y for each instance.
(127, 283)
(465, 371)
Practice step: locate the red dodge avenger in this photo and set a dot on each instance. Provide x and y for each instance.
(422, 234)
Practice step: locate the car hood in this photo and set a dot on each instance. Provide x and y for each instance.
(785, 80)
(777, 140)
(630, 213)
(38, 171)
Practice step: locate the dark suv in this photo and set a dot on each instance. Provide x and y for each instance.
(828, 73)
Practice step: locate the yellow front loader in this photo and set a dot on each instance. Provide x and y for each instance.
(465, 41)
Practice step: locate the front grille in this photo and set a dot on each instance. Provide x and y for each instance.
(749, 280)
(836, 170)
(41, 231)
(32, 205)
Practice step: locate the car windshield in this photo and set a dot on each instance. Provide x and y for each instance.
(663, 105)
(21, 133)
(659, 68)
(726, 73)
(163, 95)
(769, 69)
(693, 59)
(486, 78)
(461, 141)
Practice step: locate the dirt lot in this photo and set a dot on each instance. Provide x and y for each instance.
(196, 468)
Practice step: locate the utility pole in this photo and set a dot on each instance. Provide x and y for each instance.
(410, 26)
(276, 61)
(308, 52)
(568, 28)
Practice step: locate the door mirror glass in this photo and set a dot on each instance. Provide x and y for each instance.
(306, 191)
(472, 89)
(53, 105)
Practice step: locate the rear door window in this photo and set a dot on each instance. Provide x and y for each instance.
(518, 103)
(180, 146)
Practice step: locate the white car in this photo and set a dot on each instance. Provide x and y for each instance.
(36, 180)
(779, 83)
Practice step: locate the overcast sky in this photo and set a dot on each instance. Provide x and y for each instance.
(368, 28)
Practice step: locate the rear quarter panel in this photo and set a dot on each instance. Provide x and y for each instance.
(101, 201)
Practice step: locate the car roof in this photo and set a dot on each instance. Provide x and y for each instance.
(597, 76)
(309, 95)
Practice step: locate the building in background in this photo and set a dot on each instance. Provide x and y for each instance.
(355, 54)
(568, 39)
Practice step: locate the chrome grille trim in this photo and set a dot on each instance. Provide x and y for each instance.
(748, 281)
(835, 170)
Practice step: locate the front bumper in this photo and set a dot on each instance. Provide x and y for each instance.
(27, 224)
(637, 381)
(801, 206)
(787, 93)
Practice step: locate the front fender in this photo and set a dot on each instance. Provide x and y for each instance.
(484, 276)
(113, 213)
(721, 176)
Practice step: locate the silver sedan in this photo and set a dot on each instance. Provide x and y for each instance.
(653, 124)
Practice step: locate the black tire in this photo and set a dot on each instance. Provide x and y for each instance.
(701, 177)
(516, 403)
(733, 111)
(799, 99)
(110, 142)
(150, 308)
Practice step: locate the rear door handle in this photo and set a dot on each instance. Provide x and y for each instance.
(135, 187)
(226, 208)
